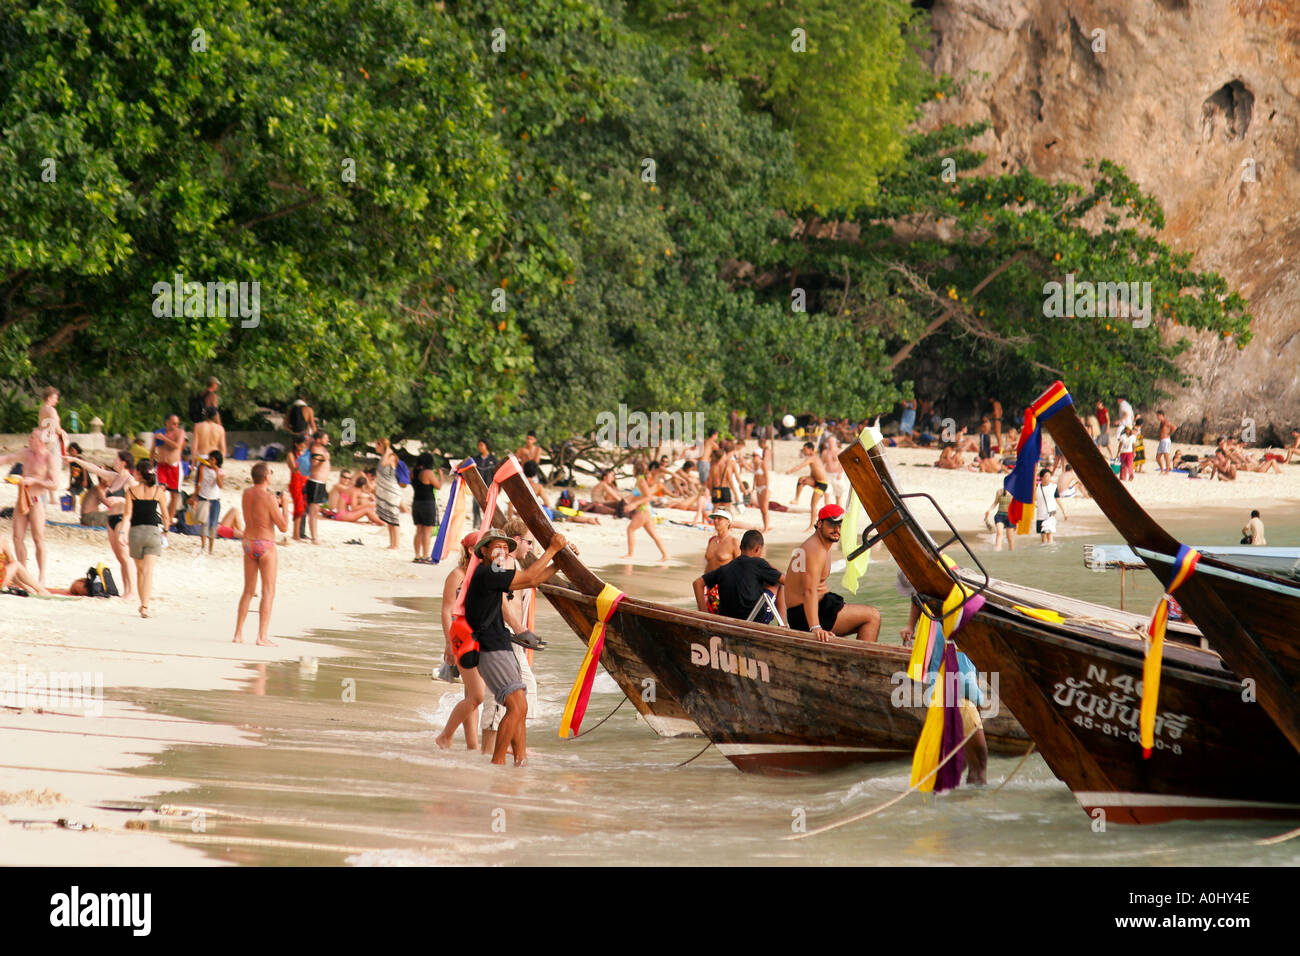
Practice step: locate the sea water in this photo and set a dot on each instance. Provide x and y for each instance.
(344, 768)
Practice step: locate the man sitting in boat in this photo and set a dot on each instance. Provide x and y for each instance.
(741, 582)
(813, 607)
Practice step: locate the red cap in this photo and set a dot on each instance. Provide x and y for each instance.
(469, 541)
(833, 512)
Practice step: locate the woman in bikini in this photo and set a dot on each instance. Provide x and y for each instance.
(643, 516)
(761, 464)
(113, 495)
(12, 572)
(145, 521)
(341, 494)
(363, 505)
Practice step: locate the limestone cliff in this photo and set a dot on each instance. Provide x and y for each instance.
(1198, 99)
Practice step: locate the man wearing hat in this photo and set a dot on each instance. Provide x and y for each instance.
(722, 547)
(739, 584)
(495, 575)
(812, 606)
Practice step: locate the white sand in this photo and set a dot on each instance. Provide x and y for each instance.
(62, 763)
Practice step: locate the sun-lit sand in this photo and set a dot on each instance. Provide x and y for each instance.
(61, 764)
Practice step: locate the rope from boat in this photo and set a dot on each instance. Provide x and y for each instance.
(888, 803)
(602, 720)
(685, 762)
(1008, 777)
(1282, 838)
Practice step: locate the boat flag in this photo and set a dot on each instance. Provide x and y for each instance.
(447, 537)
(853, 570)
(575, 708)
(1184, 565)
(1023, 478)
(933, 654)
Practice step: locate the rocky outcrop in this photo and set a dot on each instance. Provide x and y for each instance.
(1199, 100)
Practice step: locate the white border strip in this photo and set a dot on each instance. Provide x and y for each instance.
(1113, 798)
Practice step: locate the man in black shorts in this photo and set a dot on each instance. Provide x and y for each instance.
(813, 607)
(741, 582)
(316, 491)
(495, 575)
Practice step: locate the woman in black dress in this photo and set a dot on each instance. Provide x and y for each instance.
(424, 506)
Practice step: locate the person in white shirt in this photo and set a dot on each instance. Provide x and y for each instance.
(1047, 506)
(1127, 442)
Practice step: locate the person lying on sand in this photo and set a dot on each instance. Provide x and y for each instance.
(12, 571)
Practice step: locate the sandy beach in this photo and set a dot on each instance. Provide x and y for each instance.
(66, 761)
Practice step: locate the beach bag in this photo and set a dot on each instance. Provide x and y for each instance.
(100, 583)
(403, 473)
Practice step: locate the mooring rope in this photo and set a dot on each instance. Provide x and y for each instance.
(602, 720)
(685, 762)
(1008, 777)
(889, 803)
(1281, 838)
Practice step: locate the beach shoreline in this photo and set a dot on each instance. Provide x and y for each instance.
(61, 763)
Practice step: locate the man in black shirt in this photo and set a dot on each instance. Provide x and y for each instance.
(495, 575)
(742, 580)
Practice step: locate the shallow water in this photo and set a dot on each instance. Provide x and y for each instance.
(364, 783)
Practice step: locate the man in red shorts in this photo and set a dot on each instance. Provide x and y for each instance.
(168, 448)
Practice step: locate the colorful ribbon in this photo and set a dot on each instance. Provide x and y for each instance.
(447, 538)
(1184, 565)
(1023, 479)
(575, 708)
(933, 653)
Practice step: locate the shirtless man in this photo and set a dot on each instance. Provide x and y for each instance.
(706, 456)
(263, 514)
(762, 467)
(996, 406)
(530, 450)
(37, 480)
(722, 547)
(52, 433)
(316, 490)
(812, 605)
(1166, 445)
(167, 451)
(817, 475)
(209, 435)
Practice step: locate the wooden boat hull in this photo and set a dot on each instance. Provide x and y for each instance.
(1251, 618)
(772, 701)
(1076, 688)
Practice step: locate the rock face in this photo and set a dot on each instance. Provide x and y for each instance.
(1199, 101)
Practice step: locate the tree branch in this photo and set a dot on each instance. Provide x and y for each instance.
(949, 309)
(280, 212)
(60, 338)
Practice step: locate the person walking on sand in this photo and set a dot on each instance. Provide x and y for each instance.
(1125, 446)
(515, 608)
(299, 462)
(113, 485)
(209, 479)
(497, 665)
(834, 470)
(145, 520)
(264, 513)
(811, 605)
(762, 468)
(816, 473)
(1165, 446)
(1253, 533)
(36, 483)
(302, 420)
(316, 491)
(643, 515)
(466, 712)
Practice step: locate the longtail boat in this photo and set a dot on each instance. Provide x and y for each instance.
(1247, 606)
(771, 699)
(1072, 674)
(661, 712)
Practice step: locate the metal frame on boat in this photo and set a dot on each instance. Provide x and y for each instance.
(1071, 672)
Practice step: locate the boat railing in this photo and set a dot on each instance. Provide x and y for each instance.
(871, 536)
